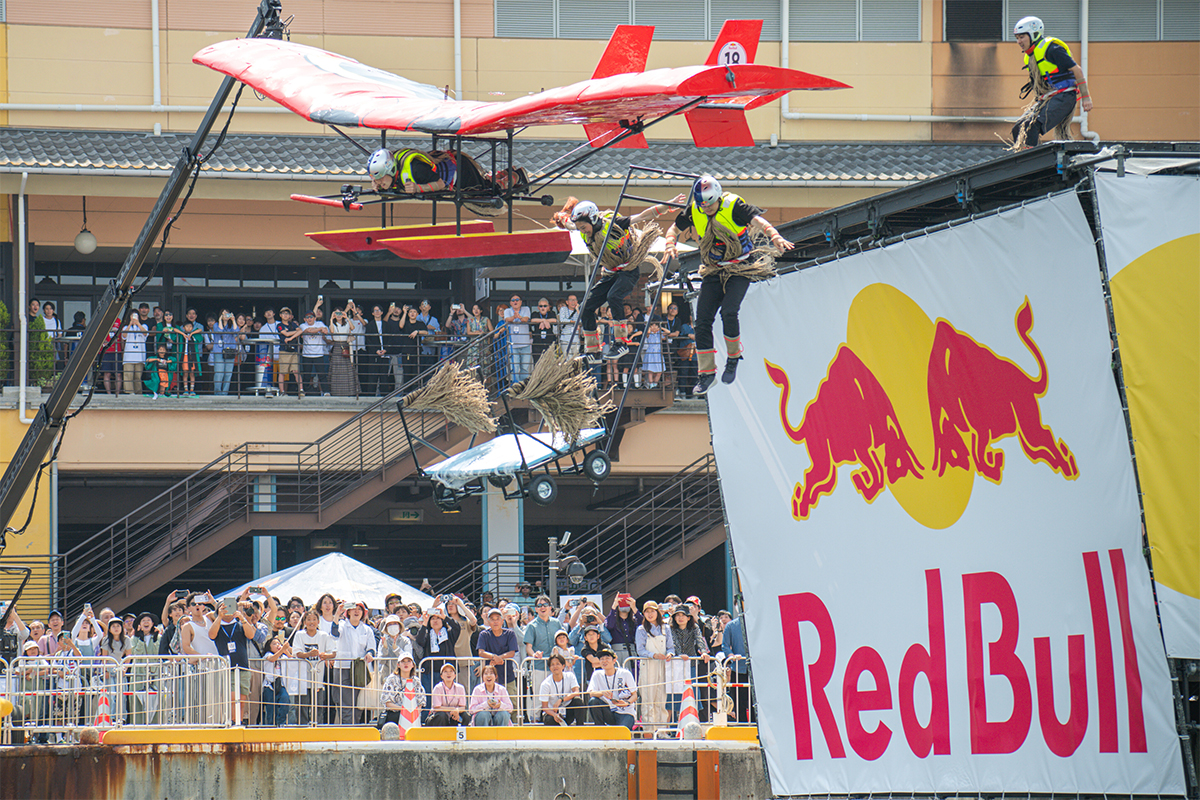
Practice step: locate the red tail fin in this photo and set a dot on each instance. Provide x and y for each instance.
(736, 44)
(627, 51)
(719, 127)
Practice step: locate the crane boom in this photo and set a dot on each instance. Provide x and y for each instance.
(23, 468)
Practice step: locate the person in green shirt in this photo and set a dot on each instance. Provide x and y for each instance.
(160, 372)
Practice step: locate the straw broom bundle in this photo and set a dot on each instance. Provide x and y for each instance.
(563, 392)
(1041, 96)
(758, 268)
(458, 394)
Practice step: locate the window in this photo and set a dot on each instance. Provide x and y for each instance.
(973, 20)
(1144, 20)
(993, 20)
(1108, 20)
(689, 20)
(1061, 17)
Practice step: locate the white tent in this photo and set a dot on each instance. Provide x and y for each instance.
(339, 575)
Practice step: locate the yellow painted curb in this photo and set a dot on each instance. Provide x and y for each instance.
(523, 733)
(727, 733)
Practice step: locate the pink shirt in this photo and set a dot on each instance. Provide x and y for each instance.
(455, 697)
(480, 696)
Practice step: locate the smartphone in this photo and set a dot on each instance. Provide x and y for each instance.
(230, 605)
(178, 594)
(320, 297)
(349, 302)
(86, 606)
(258, 590)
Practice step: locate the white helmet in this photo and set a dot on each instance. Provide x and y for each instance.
(1031, 25)
(586, 210)
(381, 163)
(706, 189)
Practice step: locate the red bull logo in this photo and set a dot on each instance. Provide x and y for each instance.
(918, 407)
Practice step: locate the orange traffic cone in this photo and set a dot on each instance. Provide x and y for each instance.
(102, 716)
(688, 713)
(410, 712)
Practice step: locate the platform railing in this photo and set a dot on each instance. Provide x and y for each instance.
(657, 525)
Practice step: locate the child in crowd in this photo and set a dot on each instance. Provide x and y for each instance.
(159, 370)
(189, 363)
(562, 647)
(652, 357)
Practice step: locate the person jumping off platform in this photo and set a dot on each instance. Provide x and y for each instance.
(721, 222)
(1054, 77)
(415, 172)
(624, 251)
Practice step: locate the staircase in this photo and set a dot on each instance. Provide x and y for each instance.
(259, 486)
(271, 486)
(658, 534)
(634, 550)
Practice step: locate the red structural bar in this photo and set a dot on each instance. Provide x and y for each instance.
(325, 201)
(357, 240)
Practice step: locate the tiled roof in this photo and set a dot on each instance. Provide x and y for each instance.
(334, 158)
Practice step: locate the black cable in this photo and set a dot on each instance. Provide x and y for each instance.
(197, 163)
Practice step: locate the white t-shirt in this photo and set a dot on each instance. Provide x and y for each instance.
(553, 691)
(135, 344)
(620, 683)
(322, 643)
(270, 330)
(566, 315)
(314, 343)
(518, 332)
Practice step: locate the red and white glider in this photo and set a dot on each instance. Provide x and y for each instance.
(331, 89)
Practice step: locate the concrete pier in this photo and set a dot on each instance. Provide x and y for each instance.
(505, 770)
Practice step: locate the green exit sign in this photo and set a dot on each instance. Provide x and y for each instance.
(325, 543)
(405, 515)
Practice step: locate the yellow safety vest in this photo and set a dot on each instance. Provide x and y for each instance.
(618, 245)
(404, 162)
(724, 216)
(1049, 71)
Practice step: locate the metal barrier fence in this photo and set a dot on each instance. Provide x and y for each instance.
(721, 697)
(53, 696)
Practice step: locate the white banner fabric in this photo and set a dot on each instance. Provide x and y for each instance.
(927, 478)
(1151, 226)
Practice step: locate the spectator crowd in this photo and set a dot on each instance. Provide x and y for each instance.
(336, 661)
(360, 351)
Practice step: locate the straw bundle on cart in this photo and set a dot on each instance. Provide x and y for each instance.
(458, 394)
(564, 393)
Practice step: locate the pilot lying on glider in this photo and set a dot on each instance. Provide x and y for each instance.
(415, 172)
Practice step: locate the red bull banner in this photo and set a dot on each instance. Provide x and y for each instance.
(930, 496)
(1151, 226)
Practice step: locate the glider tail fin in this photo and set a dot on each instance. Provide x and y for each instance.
(736, 44)
(626, 52)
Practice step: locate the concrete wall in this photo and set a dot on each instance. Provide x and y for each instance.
(502, 770)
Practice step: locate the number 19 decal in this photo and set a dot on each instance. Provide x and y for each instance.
(731, 53)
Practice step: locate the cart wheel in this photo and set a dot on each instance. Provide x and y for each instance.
(445, 498)
(500, 481)
(596, 465)
(543, 490)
